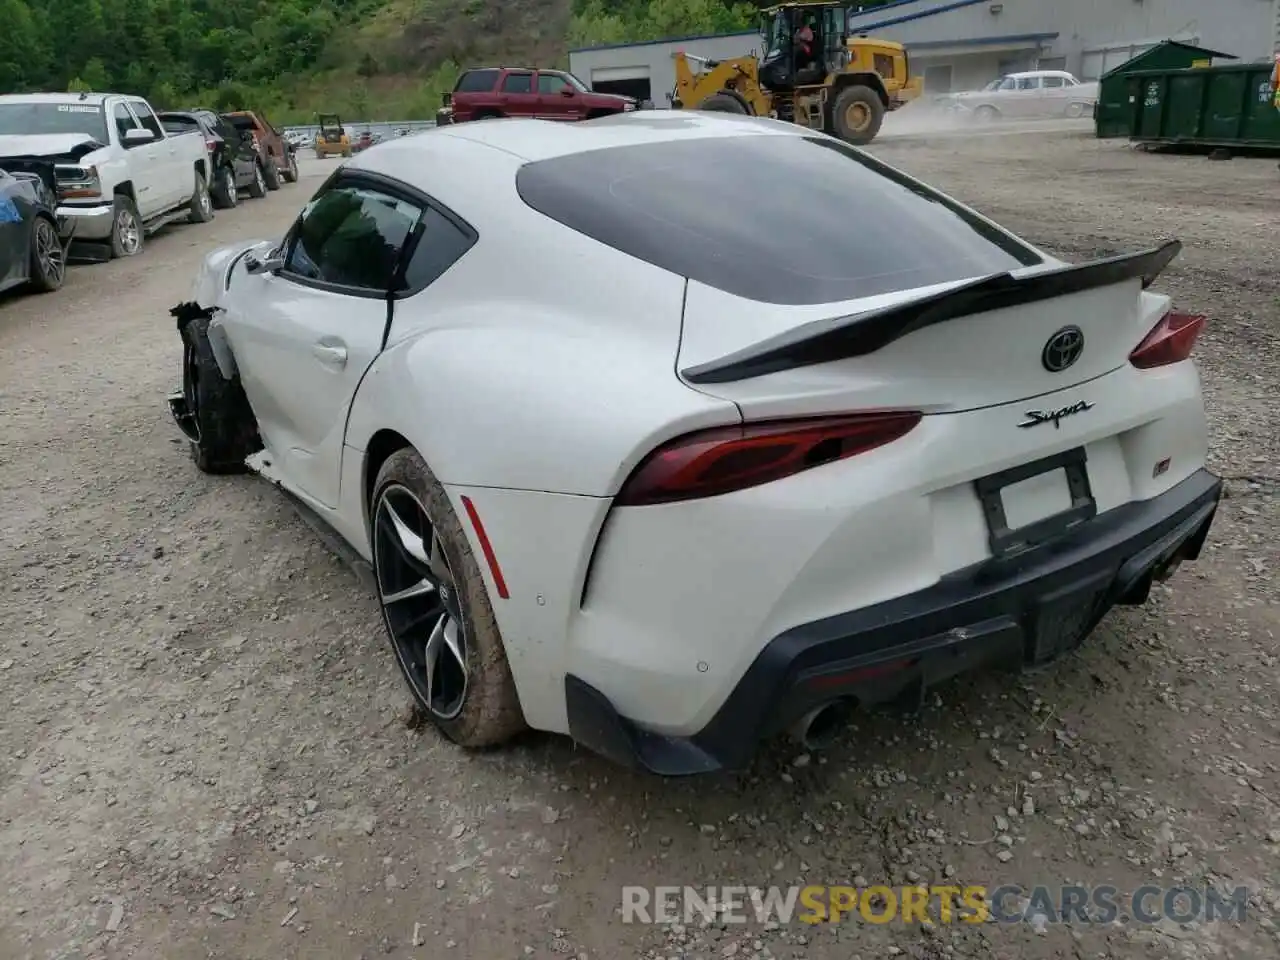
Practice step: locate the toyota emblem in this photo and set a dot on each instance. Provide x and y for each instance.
(1063, 349)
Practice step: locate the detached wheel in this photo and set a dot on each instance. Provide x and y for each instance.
(436, 608)
(48, 258)
(226, 429)
(290, 172)
(127, 238)
(723, 103)
(201, 205)
(225, 193)
(857, 115)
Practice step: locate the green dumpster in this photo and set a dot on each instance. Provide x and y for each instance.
(1114, 113)
(1228, 106)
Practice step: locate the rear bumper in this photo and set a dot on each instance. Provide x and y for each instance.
(1015, 613)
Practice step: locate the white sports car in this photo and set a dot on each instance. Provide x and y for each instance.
(670, 431)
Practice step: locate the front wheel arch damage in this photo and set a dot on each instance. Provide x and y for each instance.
(212, 409)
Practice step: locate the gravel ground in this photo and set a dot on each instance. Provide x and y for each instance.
(205, 751)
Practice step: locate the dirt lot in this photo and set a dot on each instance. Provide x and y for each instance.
(204, 751)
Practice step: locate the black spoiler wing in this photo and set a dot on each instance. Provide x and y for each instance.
(837, 338)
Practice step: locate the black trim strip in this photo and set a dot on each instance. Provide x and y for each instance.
(838, 338)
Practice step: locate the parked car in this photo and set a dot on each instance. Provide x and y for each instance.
(848, 464)
(484, 92)
(363, 142)
(32, 250)
(1037, 93)
(275, 155)
(234, 161)
(120, 175)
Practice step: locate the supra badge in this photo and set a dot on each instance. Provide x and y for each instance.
(1037, 417)
(1063, 349)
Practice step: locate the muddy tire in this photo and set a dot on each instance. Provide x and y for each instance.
(290, 172)
(48, 268)
(200, 209)
(224, 193)
(127, 235)
(258, 188)
(857, 114)
(271, 174)
(224, 421)
(468, 693)
(723, 103)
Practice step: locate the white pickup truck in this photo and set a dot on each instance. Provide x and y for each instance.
(120, 175)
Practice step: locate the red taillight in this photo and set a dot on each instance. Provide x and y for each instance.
(1170, 341)
(724, 459)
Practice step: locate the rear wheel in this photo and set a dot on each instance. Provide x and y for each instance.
(48, 258)
(224, 423)
(723, 103)
(1075, 111)
(201, 206)
(436, 608)
(258, 189)
(271, 173)
(857, 114)
(290, 171)
(225, 194)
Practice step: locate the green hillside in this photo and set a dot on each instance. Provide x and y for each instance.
(363, 58)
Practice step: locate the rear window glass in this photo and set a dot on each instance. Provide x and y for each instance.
(176, 124)
(243, 123)
(476, 81)
(779, 219)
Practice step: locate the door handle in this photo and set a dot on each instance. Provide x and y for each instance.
(329, 353)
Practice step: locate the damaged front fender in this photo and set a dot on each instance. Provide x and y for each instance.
(188, 311)
(215, 274)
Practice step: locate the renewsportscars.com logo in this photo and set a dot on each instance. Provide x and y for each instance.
(1008, 903)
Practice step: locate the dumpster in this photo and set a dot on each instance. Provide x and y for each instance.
(1113, 113)
(1228, 106)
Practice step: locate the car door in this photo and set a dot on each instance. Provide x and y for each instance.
(14, 233)
(519, 99)
(304, 335)
(178, 174)
(557, 98)
(1028, 99)
(146, 168)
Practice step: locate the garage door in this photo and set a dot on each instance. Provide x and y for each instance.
(613, 74)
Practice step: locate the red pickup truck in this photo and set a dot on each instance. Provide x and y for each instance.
(524, 92)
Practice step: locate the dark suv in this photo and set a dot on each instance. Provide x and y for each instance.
(233, 160)
(524, 92)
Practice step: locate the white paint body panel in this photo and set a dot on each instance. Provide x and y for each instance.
(541, 368)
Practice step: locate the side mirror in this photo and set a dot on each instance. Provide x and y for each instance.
(270, 265)
(136, 135)
(567, 91)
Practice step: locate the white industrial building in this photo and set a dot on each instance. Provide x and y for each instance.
(962, 44)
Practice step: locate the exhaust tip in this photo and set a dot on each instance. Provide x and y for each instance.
(821, 726)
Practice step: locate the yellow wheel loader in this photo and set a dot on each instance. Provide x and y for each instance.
(331, 138)
(812, 73)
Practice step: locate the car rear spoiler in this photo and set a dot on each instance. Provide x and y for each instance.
(856, 335)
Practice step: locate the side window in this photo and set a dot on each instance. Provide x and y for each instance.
(441, 245)
(551, 83)
(351, 235)
(518, 83)
(1028, 83)
(1008, 83)
(146, 117)
(1053, 82)
(123, 119)
(476, 81)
